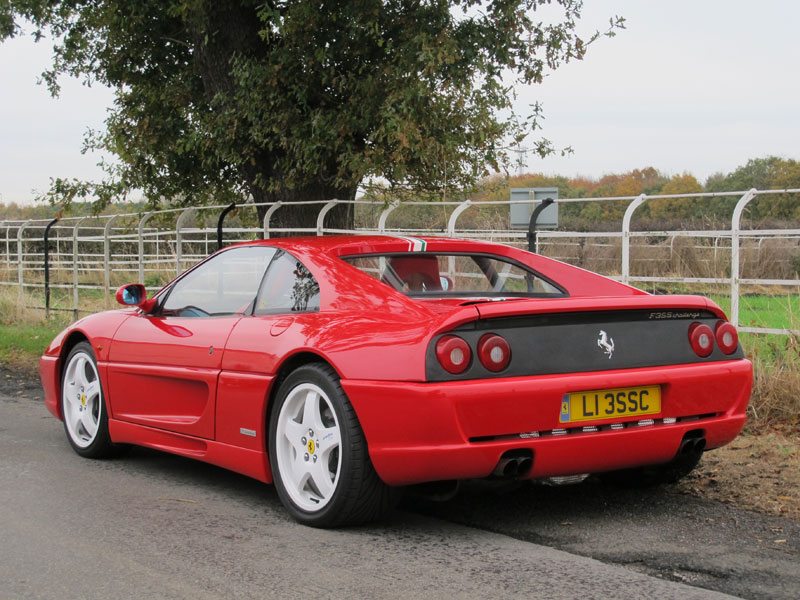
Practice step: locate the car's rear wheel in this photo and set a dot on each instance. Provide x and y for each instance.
(83, 405)
(318, 453)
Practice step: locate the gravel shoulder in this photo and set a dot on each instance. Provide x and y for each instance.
(758, 472)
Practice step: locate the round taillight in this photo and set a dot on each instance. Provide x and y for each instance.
(702, 339)
(727, 337)
(453, 354)
(494, 352)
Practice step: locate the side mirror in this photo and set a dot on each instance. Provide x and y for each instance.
(134, 294)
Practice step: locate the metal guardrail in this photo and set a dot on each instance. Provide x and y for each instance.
(90, 251)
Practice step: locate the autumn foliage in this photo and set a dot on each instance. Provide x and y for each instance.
(761, 173)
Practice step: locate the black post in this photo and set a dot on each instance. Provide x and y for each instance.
(221, 219)
(532, 225)
(47, 267)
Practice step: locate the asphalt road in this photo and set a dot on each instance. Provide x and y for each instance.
(150, 525)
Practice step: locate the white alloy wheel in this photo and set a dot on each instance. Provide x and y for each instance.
(81, 399)
(308, 447)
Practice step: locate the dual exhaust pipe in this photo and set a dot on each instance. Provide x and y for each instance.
(692, 445)
(514, 464)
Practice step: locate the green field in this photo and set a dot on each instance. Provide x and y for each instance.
(777, 312)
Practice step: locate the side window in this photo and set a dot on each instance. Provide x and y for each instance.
(223, 285)
(287, 287)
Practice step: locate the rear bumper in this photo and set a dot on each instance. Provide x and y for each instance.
(458, 430)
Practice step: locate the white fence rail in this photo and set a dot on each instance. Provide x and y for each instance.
(90, 257)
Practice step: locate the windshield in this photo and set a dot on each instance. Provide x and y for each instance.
(434, 274)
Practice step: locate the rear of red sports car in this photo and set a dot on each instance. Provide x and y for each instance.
(547, 372)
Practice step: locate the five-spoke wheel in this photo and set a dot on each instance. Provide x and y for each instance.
(318, 453)
(307, 446)
(82, 404)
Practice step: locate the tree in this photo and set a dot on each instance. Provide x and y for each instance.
(647, 180)
(677, 209)
(768, 173)
(300, 100)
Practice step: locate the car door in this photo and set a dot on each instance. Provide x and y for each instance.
(285, 309)
(163, 367)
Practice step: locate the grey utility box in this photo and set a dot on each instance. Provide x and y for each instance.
(521, 213)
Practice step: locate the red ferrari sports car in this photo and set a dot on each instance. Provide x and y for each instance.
(342, 368)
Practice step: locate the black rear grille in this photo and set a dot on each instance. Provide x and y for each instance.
(584, 342)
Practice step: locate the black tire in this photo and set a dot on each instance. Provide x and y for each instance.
(654, 475)
(359, 495)
(101, 446)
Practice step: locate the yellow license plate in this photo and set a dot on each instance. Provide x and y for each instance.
(595, 405)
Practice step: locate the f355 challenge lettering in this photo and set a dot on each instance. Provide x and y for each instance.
(674, 315)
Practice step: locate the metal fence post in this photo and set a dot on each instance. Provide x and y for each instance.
(20, 265)
(385, 214)
(142, 222)
(626, 235)
(8, 244)
(268, 216)
(451, 222)
(179, 238)
(533, 241)
(47, 267)
(736, 222)
(75, 298)
(451, 230)
(107, 260)
(321, 216)
(221, 220)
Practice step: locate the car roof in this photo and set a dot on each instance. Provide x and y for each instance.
(323, 252)
(343, 245)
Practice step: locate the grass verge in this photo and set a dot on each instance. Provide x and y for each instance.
(24, 333)
(22, 345)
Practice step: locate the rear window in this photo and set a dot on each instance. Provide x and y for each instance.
(433, 274)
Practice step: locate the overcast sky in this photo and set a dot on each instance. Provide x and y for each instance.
(690, 85)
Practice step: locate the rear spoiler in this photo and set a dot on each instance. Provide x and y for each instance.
(518, 307)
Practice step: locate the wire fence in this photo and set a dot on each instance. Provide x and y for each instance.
(89, 257)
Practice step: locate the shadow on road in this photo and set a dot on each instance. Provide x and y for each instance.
(657, 531)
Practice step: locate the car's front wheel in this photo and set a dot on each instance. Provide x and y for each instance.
(318, 454)
(83, 405)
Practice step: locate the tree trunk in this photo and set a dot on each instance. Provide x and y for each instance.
(234, 31)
